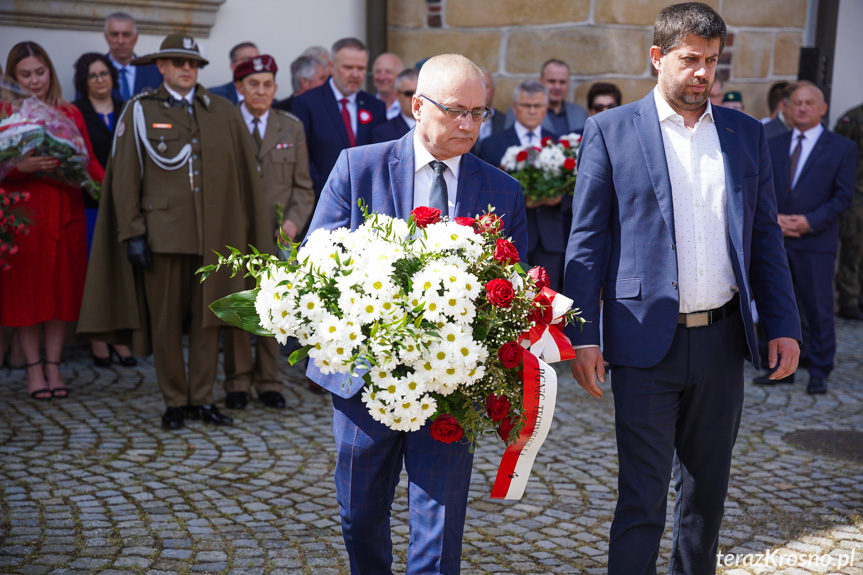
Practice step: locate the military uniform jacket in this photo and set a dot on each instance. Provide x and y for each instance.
(284, 165)
(851, 126)
(216, 202)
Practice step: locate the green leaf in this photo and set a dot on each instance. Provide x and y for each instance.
(238, 309)
(299, 355)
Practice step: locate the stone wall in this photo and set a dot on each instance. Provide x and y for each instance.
(600, 39)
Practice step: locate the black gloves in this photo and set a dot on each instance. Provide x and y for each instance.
(138, 252)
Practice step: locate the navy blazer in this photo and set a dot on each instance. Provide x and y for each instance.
(326, 136)
(824, 189)
(146, 78)
(622, 243)
(228, 91)
(390, 130)
(382, 176)
(774, 128)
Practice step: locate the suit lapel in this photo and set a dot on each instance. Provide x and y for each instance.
(364, 131)
(727, 130)
(401, 169)
(646, 121)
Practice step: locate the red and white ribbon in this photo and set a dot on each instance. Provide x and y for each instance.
(540, 394)
(548, 341)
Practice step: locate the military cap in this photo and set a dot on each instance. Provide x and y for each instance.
(258, 64)
(732, 97)
(174, 46)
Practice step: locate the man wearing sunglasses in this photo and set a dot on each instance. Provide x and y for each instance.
(602, 96)
(405, 88)
(182, 181)
(429, 166)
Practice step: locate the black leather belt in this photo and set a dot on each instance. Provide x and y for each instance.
(711, 316)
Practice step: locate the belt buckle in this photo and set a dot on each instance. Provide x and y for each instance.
(699, 319)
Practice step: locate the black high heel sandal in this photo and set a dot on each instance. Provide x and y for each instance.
(101, 361)
(58, 392)
(129, 361)
(35, 394)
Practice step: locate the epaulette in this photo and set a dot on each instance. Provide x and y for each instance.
(148, 93)
(285, 113)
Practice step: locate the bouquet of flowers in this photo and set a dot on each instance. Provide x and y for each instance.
(546, 172)
(13, 221)
(28, 125)
(435, 315)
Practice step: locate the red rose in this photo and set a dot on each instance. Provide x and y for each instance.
(509, 355)
(489, 223)
(425, 216)
(469, 222)
(569, 164)
(499, 293)
(497, 407)
(445, 428)
(505, 253)
(521, 156)
(540, 277)
(565, 143)
(541, 312)
(505, 429)
(546, 141)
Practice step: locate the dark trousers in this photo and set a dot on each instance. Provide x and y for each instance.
(369, 458)
(812, 273)
(173, 293)
(242, 371)
(683, 413)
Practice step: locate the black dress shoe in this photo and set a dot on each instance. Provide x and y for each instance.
(272, 399)
(817, 385)
(211, 414)
(851, 312)
(174, 417)
(764, 379)
(193, 412)
(237, 400)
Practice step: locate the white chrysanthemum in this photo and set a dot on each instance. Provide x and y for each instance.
(408, 351)
(508, 161)
(550, 160)
(407, 409)
(311, 307)
(412, 387)
(454, 375)
(573, 139)
(389, 390)
(428, 405)
(368, 310)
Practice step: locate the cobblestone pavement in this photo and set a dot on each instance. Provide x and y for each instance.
(92, 484)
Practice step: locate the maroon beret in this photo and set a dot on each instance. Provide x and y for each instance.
(258, 64)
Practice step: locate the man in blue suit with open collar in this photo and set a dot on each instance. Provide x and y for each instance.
(325, 117)
(810, 201)
(392, 178)
(674, 228)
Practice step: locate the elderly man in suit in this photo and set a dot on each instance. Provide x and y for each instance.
(563, 117)
(307, 72)
(242, 52)
(338, 114)
(406, 86)
(814, 171)
(674, 230)
(283, 164)
(428, 166)
(121, 33)
(547, 220)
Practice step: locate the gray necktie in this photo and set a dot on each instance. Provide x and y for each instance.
(438, 195)
(795, 157)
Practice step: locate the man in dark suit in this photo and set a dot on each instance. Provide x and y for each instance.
(563, 117)
(242, 52)
(676, 251)
(405, 88)
(814, 172)
(338, 114)
(121, 33)
(307, 72)
(392, 178)
(548, 221)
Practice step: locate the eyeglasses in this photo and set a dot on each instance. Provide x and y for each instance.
(602, 107)
(98, 76)
(407, 93)
(532, 106)
(181, 62)
(457, 113)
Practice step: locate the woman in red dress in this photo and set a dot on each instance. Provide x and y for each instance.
(43, 289)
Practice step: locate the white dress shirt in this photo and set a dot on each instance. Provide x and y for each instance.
(810, 137)
(394, 110)
(189, 98)
(423, 174)
(249, 119)
(522, 132)
(352, 105)
(705, 276)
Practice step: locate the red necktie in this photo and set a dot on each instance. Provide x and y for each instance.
(346, 118)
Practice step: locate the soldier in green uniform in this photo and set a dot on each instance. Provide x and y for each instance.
(182, 181)
(283, 163)
(849, 276)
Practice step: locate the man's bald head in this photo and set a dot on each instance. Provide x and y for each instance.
(444, 70)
